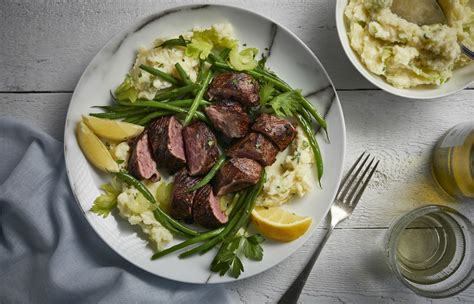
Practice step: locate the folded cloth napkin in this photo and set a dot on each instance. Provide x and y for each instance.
(48, 252)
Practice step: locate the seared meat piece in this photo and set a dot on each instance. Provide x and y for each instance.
(201, 148)
(229, 118)
(182, 201)
(207, 210)
(141, 163)
(235, 86)
(254, 146)
(237, 174)
(166, 143)
(279, 130)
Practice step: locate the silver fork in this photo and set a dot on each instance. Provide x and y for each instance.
(348, 195)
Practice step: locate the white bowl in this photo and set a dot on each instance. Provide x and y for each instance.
(461, 77)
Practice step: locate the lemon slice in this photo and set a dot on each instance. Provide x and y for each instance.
(279, 224)
(94, 149)
(112, 129)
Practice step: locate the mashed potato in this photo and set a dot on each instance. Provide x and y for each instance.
(405, 54)
(138, 211)
(165, 59)
(290, 175)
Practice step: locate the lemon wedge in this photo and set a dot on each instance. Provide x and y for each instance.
(279, 224)
(94, 149)
(112, 129)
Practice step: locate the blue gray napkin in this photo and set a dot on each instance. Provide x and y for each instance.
(48, 252)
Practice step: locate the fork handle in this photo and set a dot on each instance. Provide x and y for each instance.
(294, 292)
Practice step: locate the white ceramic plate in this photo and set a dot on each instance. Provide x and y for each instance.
(289, 57)
(461, 77)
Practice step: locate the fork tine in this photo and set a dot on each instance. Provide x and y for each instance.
(361, 191)
(343, 182)
(361, 178)
(343, 193)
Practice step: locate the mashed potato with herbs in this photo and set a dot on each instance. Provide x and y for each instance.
(290, 175)
(405, 54)
(165, 59)
(138, 211)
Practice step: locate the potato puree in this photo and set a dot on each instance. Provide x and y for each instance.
(405, 54)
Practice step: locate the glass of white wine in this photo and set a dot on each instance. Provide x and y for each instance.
(430, 249)
(453, 161)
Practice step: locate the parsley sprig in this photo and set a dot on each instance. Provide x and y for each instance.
(228, 258)
(106, 202)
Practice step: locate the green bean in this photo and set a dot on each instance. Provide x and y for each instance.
(115, 109)
(146, 119)
(314, 145)
(133, 119)
(170, 107)
(224, 54)
(182, 74)
(311, 109)
(230, 210)
(114, 115)
(197, 99)
(165, 76)
(210, 174)
(200, 238)
(277, 84)
(200, 75)
(271, 75)
(187, 102)
(175, 92)
(164, 218)
(174, 42)
(213, 58)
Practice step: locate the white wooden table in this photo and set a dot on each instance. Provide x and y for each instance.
(46, 45)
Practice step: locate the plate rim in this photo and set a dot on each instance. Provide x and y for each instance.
(171, 9)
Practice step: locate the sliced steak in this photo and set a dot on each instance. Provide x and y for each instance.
(182, 201)
(201, 148)
(229, 118)
(237, 174)
(279, 130)
(254, 146)
(207, 210)
(235, 86)
(167, 143)
(141, 163)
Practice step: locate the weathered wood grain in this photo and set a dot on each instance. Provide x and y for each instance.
(47, 44)
(354, 273)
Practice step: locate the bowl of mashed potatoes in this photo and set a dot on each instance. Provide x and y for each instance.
(404, 58)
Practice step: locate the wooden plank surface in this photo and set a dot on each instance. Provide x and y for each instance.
(47, 44)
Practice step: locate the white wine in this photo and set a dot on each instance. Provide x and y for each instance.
(431, 250)
(453, 161)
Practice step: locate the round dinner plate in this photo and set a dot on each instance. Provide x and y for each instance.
(289, 57)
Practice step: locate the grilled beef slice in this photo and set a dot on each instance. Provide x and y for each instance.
(229, 118)
(279, 130)
(182, 201)
(235, 86)
(201, 148)
(237, 174)
(207, 210)
(254, 146)
(166, 142)
(141, 163)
